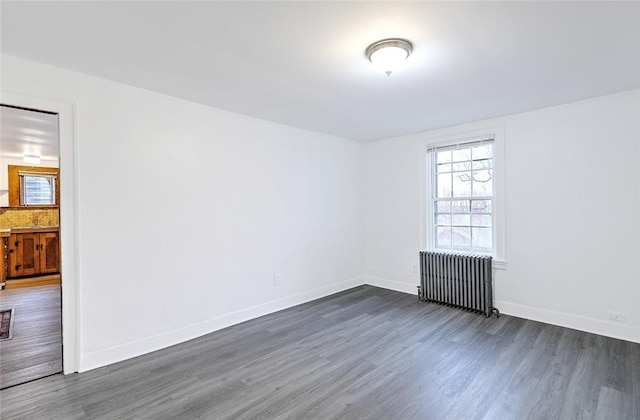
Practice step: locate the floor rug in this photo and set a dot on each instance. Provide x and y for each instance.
(6, 324)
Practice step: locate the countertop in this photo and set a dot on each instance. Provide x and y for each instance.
(34, 229)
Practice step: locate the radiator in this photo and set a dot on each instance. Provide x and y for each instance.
(458, 280)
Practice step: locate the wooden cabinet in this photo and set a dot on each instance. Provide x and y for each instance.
(4, 255)
(24, 258)
(32, 254)
(49, 253)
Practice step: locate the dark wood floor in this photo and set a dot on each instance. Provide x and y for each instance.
(36, 347)
(366, 353)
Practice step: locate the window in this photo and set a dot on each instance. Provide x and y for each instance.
(33, 186)
(37, 189)
(462, 196)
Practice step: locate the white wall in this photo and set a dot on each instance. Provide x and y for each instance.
(4, 177)
(572, 213)
(186, 212)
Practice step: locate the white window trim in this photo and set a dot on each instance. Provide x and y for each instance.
(24, 192)
(499, 214)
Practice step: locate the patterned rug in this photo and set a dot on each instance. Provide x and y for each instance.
(6, 324)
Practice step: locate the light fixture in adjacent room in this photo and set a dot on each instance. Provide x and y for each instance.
(389, 54)
(33, 159)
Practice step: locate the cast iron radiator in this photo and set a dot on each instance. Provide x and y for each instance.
(459, 280)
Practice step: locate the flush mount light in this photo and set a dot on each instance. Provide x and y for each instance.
(389, 54)
(31, 159)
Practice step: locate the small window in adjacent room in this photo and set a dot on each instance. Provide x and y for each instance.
(462, 197)
(37, 189)
(33, 186)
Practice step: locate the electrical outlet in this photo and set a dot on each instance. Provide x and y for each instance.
(415, 268)
(617, 317)
(276, 280)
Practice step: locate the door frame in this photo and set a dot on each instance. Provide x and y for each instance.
(69, 231)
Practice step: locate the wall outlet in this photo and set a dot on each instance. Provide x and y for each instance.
(276, 280)
(415, 268)
(617, 317)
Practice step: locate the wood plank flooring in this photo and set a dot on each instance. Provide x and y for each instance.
(35, 350)
(47, 280)
(366, 353)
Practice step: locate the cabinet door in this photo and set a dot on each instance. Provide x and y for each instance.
(23, 254)
(49, 253)
(4, 259)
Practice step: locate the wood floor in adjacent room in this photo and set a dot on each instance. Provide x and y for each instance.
(35, 350)
(366, 353)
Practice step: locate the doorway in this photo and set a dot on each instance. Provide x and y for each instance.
(30, 280)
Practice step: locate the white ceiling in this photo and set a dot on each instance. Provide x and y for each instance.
(303, 64)
(24, 132)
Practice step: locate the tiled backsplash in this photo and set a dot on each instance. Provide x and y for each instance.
(15, 217)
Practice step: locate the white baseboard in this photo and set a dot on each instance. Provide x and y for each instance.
(576, 322)
(149, 344)
(596, 326)
(392, 285)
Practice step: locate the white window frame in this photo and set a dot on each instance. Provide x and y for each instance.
(24, 192)
(498, 209)
(433, 199)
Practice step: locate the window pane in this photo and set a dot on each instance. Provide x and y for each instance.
(461, 155)
(482, 152)
(461, 237)
(482, 238)
(461, 220)
(443, 157)
(443, 206)
(460, 206)
(482, 183)
(445, 167)
(443, 219)
(482, 176)
(462, 166)
(38, 190)
(482, 164)
(444, 185)
(443, 237)
(481, 220)
(481, 206)
(462, 184)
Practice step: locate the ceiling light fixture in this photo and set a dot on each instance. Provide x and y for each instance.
(389, 54)
(31, 159)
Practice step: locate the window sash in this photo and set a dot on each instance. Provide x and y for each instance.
(40, 197)
(472, 243)
(475, 228)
